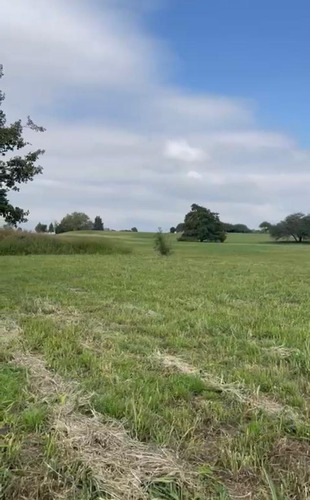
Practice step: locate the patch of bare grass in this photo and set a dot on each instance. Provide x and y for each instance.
(43, 306)
(9, 330)
(282, 351)
(123, 466)
(257, 400)
(293, 458)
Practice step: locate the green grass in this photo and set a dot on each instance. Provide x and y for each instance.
(235, 314)
(25, 243)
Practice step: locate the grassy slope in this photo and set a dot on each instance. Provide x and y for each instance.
(122, 326)
(26, 243)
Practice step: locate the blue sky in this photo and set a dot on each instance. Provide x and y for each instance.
(256, 49)
(151, 105)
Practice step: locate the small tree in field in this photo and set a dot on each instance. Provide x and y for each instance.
(134, 229)
(161, 243)
(98, 224)
(172, 230)
(18, 169)
(41, 228)
(51, 228)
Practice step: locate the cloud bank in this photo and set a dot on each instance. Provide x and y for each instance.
(122, 140)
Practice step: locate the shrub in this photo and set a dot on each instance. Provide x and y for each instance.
(25, 243)
(162, 245)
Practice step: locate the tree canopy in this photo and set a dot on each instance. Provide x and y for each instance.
(98, 224)
(236, 228)
(203, 225)
(172, 230)
(77, 221)
(17, 169)
(51, 228)
(41, 228)
(180, 227)
(134, 229)
(265, 226)
(296, 226)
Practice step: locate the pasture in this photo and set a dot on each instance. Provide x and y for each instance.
(134, 376)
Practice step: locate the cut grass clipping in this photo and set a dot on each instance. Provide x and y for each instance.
(25, 243)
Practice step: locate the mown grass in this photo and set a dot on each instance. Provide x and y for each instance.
(235, 314)
(26, 243)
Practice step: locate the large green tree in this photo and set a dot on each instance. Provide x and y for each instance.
(77, 221)
(203, 225)
(296, 226)
(15, 169)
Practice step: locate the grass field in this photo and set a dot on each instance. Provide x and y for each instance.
(141, 377)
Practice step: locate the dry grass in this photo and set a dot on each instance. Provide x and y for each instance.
(34, 479)
(294, 456)
(123, 467)
(9, 330)
(257, 400)
(282, 351)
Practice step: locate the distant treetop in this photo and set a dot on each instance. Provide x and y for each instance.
(98, 224)
(200, 224)
(77, 221)
(41, 228)
(265, 226)
(236, 228)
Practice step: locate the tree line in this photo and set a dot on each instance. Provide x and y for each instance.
(200, 224)
(77, 221)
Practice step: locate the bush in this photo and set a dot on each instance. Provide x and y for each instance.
(25, 243)
(162, 245)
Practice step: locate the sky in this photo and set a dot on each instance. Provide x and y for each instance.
(152, 105)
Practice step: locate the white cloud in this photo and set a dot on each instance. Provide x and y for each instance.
(63, 43)
(120, 137)
(213, 111)
(252, 140)
(192, 174)
(181, 150)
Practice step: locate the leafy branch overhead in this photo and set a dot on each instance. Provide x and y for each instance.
(16, 169)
